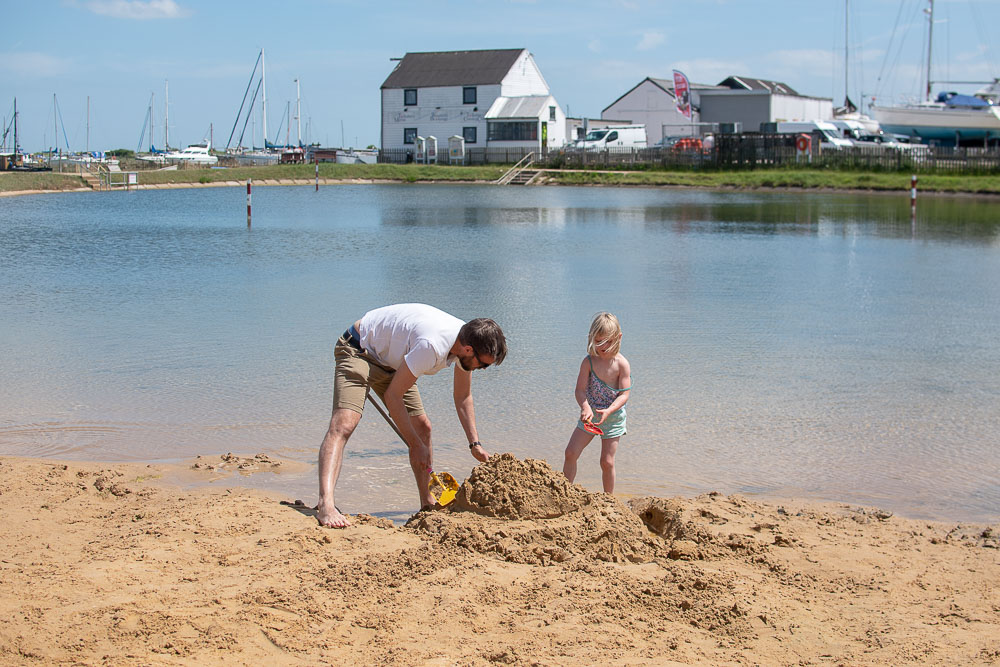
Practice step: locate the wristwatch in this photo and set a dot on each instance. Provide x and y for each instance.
(473, 444)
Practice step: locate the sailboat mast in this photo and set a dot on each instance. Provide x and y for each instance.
(298, 112)
(151, 95)
(16, 150)
(930, 42)
(166, 115)
(88, 123)
(847, 90)
(263, 95)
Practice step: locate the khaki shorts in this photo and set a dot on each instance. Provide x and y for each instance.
(356, 371)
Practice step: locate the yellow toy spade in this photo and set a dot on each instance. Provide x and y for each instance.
(442, 485)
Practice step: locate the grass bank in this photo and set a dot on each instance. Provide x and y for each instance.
(779, 178)
(29, 181)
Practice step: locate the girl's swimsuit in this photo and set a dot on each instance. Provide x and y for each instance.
(600, 395)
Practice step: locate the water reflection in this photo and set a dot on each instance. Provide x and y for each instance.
(782, 343)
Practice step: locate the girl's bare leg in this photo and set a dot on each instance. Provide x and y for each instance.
(577, 442)
(608, 449)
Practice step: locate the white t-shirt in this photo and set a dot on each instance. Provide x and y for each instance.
(418, 334)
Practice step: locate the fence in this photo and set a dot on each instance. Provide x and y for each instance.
(723, 151)
(765, 151)
(473, 156)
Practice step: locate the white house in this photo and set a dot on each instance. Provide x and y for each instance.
(492, 98)
(741, 101)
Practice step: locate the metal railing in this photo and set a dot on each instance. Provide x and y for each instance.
(512, 173)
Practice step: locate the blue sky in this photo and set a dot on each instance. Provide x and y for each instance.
(119, 52)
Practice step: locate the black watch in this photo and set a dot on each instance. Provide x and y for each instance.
(473, 444)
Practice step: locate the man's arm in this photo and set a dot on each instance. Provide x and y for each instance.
(467, 411)
(402, 380)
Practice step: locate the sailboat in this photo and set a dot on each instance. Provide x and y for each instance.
(950, 117)
(849, 112)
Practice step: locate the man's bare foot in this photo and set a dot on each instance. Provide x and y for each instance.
(480, 454)
(331, 517)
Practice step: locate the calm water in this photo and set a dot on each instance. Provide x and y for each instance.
(823, 346)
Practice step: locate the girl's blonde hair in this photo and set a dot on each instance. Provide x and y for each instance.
(604, 327)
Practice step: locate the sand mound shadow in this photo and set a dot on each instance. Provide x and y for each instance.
(525, 512)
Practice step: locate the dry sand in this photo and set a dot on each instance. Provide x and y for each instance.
(107, 564)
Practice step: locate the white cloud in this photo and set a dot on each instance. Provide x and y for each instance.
(30, 63)
(595, 45)
(650, 40)
(138, 9)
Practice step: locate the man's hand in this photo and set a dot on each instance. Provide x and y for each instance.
(478, 452)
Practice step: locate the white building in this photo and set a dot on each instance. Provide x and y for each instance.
(652, 103)
(753, 102)
(739, 101)
(492, 98)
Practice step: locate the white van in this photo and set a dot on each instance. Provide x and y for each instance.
(831, 136)
(613, 136)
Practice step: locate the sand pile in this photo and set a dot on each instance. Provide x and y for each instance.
(525, 512)
(109, 564)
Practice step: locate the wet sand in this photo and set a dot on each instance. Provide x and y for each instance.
(115, 564)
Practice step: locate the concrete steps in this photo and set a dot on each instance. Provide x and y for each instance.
(524, 177)
(92, 181)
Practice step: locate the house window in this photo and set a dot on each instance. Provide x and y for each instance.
(409, 97)
(552, 113)
(512, 131)
(409, 135)
(470, 134)
(469, 95)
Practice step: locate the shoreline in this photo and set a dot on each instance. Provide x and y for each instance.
(113, 563)
(271, 182)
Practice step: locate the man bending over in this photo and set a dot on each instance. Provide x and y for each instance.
(387, 350)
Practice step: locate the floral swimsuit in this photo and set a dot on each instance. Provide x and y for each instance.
(600, 395)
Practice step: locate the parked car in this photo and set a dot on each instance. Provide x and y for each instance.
(891, 141)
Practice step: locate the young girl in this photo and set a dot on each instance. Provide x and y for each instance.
(602, 388)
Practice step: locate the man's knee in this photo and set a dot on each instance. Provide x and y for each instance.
(343, 422)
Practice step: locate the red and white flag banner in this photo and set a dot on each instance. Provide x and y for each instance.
(682, 93)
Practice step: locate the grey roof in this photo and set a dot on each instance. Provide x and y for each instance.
(667, 85)
(452, 68)
(528, 106)
(749, 83)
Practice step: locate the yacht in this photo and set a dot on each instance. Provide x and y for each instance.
(950, 117)
(193, 154)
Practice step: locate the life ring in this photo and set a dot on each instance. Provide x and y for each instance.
(803, 143)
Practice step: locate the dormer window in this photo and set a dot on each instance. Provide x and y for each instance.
(409, 97)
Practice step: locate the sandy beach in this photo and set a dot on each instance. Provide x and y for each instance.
(128, 564)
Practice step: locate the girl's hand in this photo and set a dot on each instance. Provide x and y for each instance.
(586, 414)
(602, 415)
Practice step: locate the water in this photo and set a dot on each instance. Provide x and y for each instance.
(817, 346)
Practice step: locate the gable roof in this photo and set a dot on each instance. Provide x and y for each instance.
(666, 85)
(748, 83)
(452, 68)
